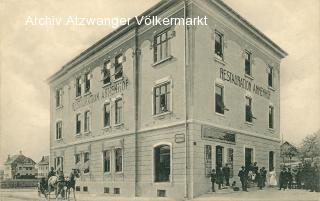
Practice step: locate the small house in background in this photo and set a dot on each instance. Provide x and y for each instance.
(43, 167)
(289, 154)
(19, 167)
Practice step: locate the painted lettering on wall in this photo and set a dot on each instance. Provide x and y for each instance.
(239, 81)
(109, 90)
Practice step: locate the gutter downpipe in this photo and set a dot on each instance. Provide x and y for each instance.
(186, 107)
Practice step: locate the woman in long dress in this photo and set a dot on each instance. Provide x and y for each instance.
(272, 178)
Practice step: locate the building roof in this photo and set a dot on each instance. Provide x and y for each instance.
(154, 10)
(44, 160)
(19, 158)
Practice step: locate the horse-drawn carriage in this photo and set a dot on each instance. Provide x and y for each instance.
(60, 186)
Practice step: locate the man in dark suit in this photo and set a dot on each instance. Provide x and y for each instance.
(289, 178)
(226, 174)
(213, 179)
(283, 179)
(264, 176)
(243, 178)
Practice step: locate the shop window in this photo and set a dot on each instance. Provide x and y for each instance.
(247, 63)
(162, 163)
(106, 161)
(230, 160)
(59, 130)
(161, 46)
(118, 111)
(78, 86)
(86, 162)
(118, 159)
(87, 121)
(218, 44)
(106, 115)
(208, 159)
(161, 98)
(270, 76)
(219, 99)
(106, 72)
(87, 82)
(78, 123)
(249, 115)
(58, 97)
(118, 67)
(271, 117)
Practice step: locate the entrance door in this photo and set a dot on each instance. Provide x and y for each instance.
(248, 156)
(219, 156)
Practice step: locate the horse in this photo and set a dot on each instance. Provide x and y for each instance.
(63, 187)
(71, 183)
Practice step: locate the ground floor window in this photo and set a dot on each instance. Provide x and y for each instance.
(118, 159)
(86, 162)
(248, 157)
(162, 163)
(219, 156)
(106, 161)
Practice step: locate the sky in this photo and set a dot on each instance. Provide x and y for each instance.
(30, 54)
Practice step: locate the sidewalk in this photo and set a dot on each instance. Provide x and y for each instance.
(269, 194)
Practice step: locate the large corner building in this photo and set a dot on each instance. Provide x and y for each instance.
(150, 110)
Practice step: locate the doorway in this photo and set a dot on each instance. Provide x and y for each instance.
(219, 156)
(248, 157)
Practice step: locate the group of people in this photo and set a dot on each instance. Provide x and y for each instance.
(43, 184)
(306, 176)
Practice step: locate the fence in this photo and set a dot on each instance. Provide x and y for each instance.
(18, 183)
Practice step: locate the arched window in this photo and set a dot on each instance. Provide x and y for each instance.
(162, 163)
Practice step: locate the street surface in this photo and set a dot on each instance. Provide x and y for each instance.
(268, 194)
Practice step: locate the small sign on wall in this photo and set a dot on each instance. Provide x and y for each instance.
(179, 138)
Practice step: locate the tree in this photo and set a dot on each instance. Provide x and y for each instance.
(311, 146)
(287, 150)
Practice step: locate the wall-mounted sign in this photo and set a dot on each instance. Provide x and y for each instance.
(239, 81)
(112, 89)
(212, 133)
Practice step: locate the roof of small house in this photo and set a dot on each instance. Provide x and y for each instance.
(44, 160)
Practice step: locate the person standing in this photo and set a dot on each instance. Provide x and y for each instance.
(243, 178)
(213, 179)
(219, 177)
(272, 178)
(283, 179)
(264, 176)
(226, 174)
(51, 172)
(260, 179)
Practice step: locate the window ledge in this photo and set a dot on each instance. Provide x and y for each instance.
(59, 140)
(78, 97)
(249, 123)
(59, 107)
(248, 76)
(106, 173)
(86, 132)
(118, 125)
(162, 61)
(162, 114)
(78, 134)
(220, 115)
(87, 93)
(271, 88)
(219, 59)
(106, 128)
(271, 130)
